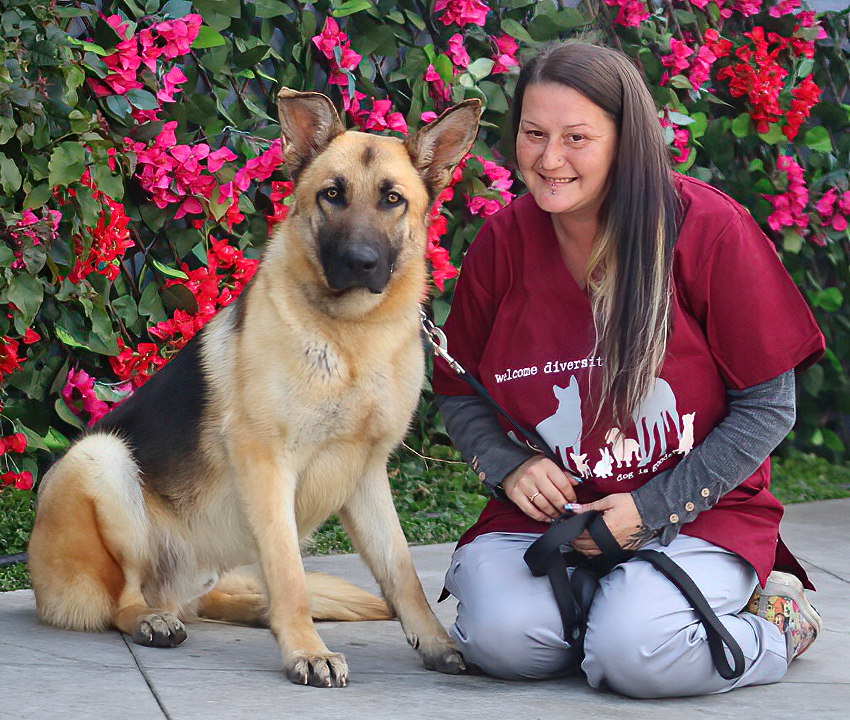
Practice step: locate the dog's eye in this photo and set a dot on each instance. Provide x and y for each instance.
(331, 193)
(393, 198)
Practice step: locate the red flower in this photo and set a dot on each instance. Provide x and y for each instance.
(21, 481)
(9, 361)
(16, 443)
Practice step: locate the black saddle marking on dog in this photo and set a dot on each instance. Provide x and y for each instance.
(161, 421)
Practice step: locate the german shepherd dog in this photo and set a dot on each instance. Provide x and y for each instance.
(279, 413)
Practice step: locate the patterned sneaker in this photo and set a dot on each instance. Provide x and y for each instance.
(783, 602)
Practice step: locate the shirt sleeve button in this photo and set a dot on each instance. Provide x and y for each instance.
(705, 492)
(689, 507)
(674, 518)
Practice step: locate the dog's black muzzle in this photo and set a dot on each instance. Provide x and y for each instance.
(357, 263)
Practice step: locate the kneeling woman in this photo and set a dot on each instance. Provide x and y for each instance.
(665, 334)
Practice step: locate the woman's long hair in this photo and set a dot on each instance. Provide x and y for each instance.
(630, 269)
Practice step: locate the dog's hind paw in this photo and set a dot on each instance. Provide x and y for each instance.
(159, 630)
(326, 670)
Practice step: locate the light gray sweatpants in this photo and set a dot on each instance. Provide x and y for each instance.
(643, 639)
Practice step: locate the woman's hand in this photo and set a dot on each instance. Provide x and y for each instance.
(540, 488)
(623, 520)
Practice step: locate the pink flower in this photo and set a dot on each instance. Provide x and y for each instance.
(499, 177)
(436, 85)
(178, 35)
(457, 51)
(462, 12)
(680, 138)
(832, 213)
(748, 7)
(505, 56)
(632, 12)
(327, 42)
(171, 82)
(428, 116)
(788, 207)
(784, 7)
(79, 396)
(261, 167)
(677, 62)
(485, 207)
(382, 119)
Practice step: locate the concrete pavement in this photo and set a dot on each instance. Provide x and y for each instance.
(224, 671)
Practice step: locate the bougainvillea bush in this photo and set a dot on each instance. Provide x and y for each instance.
(140, 162)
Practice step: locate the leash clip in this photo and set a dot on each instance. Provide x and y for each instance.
(438, 341)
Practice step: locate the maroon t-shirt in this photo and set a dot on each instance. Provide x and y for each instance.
(522, 326)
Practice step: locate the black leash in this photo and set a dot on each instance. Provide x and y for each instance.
(438, 341)
(547, 556)
(12, 559)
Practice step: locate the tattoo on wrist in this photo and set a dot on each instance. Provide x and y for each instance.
(639, 537)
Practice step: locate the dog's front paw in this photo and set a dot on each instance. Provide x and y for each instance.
(319, 670)
(439, 654)
(160, 629)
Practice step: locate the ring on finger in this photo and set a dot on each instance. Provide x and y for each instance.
(532, 497)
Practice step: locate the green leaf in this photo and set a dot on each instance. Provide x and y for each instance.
(63, 335)
(818, 139)
(119, 105)
(168, 271)
(832, 441)
(792, 241)
(829, 299)
(230, 8)
(480, 68)
(350, 7)
(774, 135)
(207, 38)
(273, 9)
(27, 293)
(7, 257)
(64, 412)
(681, 82)
(150, 304)
(141, 99)
(680, 118)
(67, 163)
(813, 380)
(517, 31)
(10, 176)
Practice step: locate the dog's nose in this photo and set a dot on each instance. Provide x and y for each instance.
(360, 260)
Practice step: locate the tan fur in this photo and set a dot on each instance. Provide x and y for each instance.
(309, 390)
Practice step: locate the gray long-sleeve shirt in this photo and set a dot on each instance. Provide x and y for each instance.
(759, 418)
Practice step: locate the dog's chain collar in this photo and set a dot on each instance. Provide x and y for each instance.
(437, 338)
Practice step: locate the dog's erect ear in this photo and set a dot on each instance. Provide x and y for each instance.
(308, 122)
(438, 147)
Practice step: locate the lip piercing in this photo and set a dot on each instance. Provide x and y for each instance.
(554, 187)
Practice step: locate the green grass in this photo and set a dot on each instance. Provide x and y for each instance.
(17, 509)
(803, 478)
(437, 498)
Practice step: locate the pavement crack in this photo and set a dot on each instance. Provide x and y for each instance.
(147, 679)
(824, 570)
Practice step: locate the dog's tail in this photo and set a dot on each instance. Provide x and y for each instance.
(332, 598)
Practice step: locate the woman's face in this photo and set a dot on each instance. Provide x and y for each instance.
(565, 148)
